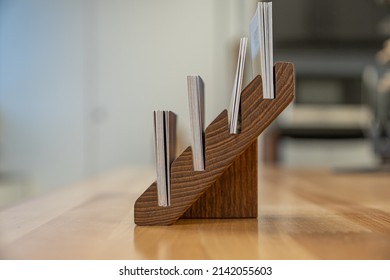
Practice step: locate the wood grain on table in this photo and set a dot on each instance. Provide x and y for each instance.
(303, 214)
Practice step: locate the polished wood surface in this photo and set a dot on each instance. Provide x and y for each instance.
(221, 150)
(303, 214)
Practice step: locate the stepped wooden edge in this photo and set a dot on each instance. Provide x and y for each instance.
(228, 186)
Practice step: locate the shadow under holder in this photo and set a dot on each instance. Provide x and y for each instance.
(227, 188)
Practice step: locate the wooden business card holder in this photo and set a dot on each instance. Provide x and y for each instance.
(227, 188)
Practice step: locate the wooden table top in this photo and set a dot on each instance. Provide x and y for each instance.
(303, 214)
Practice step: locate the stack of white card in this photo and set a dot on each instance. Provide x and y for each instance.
(234, 110)
(196, 102)
(165, 146)
(262, 47)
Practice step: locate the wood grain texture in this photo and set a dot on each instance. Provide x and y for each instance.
(234, 194)
(303, 214)
(221, 150)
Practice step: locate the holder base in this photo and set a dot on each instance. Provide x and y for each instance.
(234, 194)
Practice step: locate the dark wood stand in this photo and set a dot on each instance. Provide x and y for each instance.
(228, 186)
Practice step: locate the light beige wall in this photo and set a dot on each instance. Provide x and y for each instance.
(41, 92)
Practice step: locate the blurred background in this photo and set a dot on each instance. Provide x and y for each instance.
(79, 80)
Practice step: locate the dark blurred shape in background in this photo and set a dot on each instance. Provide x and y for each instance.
(332, 43)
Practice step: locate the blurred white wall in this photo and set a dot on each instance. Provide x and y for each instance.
(79, 79)
(41, 91)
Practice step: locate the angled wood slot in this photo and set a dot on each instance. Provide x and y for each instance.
(227, 188)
